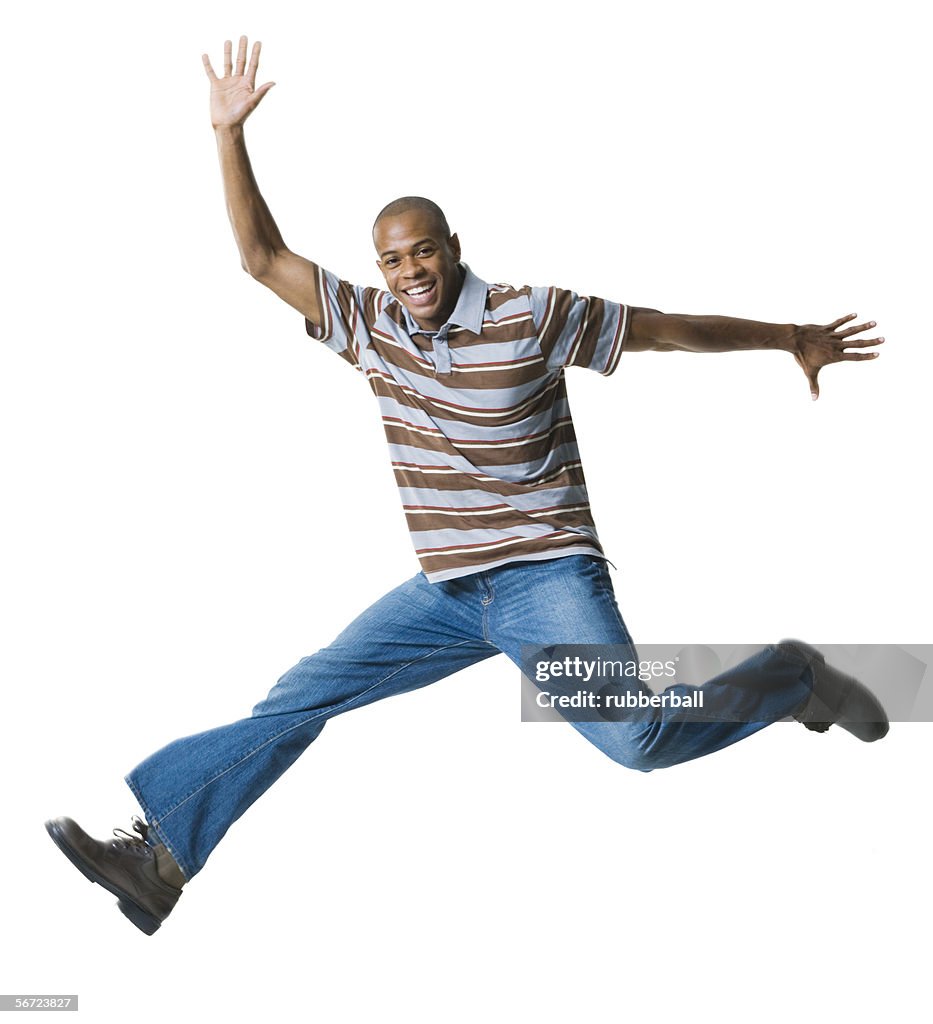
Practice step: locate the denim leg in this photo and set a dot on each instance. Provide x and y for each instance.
(571, 601)
(193, 789)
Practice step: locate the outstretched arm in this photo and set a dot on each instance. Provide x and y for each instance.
(263, 253)
(812, 345)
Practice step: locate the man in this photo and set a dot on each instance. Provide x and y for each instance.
(470, 381)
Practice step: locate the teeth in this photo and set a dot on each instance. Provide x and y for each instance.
(420, 290)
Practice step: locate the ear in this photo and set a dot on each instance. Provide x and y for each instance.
(381, 270)
(454, 244)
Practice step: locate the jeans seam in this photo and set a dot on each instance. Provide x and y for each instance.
(156, 826)
(610, 594)
(330, 713)
(486, 602)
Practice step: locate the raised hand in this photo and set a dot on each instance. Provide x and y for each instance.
(817, 345)
(235, 96)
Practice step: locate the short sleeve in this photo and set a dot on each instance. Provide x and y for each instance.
(349, 313)
(579, 330)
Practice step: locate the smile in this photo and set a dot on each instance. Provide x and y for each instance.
(421, 292)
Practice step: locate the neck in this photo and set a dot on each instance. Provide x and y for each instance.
(444, 315)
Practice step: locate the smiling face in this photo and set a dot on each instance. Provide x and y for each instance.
(419, 264)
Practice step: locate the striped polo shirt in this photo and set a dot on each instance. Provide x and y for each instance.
(476, 414)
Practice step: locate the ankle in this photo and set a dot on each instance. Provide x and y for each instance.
(167, 867)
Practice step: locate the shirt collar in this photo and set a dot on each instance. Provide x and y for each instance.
(471, 305)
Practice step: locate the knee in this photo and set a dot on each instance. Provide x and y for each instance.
(640, 761)
(640, 750)
(301, 688)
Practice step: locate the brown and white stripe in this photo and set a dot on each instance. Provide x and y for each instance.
(477, 420)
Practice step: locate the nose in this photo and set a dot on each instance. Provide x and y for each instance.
(411, 267)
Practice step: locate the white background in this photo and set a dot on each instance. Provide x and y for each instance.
(168, 550)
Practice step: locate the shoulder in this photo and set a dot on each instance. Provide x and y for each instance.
(506, 302)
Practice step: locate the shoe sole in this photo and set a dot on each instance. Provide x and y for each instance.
(143, 920)
(869, 730)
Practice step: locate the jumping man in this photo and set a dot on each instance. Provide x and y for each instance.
(469, 377)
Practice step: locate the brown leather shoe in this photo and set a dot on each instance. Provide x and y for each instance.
(838, 699)
(127, 866)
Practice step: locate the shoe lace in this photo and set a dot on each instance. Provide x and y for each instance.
(126, 840)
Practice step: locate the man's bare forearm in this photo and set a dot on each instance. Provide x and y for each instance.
(257, 236)
(676, 332)
(812, 345)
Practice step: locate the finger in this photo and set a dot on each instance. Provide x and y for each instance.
(814, 386)
(241, 56)
(258, 95)
(207, 67)
(253, 64)
(228, 58)
(860, 355)
(855, 329)
(842, 320)
(863, 343)
(261, 91)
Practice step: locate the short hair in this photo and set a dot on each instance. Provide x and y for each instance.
(406, 203)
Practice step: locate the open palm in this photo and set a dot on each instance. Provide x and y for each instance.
(818, 345)
(235, 96)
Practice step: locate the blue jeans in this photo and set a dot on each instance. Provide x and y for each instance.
(192, 790)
